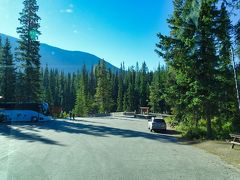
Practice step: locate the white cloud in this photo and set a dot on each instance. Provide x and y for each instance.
(75, 31)
(68, 10)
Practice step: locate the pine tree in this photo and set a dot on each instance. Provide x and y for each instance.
(92, 83)
(103, 97)
(155, 96)
(61, 89)
(114, 82)
(130, 89)
(92, 91)
(143, 85)
(237, 36)
(137, 88)
(125, 101)
(47, 86)
(190, 53)
(81, 106)
(176, 49)
(28, 50)
(9, 74)
(19, 86)
(67, 92)
(53, 78)
(120, 90)
(226, 90)
(198, 55)
(72, 92)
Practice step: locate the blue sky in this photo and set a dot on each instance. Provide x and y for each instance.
(116, 30)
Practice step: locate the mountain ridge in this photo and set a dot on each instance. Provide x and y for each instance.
(64, 60)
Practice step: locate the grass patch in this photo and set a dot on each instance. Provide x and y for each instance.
(222, 149)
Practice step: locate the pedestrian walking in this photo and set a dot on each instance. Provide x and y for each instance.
(73, 115)
(70, 114)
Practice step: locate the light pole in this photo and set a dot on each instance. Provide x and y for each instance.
(235, 77)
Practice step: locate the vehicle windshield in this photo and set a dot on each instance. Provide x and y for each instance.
(158, 121)
(119, 89)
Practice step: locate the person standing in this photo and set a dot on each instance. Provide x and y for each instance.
(70, 114)
(73, 115)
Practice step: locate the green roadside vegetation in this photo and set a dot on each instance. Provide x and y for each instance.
(200, 87)
(221, 148)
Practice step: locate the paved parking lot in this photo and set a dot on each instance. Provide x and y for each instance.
(102, 148)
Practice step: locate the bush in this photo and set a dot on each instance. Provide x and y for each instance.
(65, 115)
(191, 131)
(196, 133)
(221, 128)
(171, 121)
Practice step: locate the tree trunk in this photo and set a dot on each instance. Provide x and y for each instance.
(196, 119)
(209, 127)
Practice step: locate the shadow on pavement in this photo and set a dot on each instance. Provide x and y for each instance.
(76, 127)
(172, 132)
(86, 121)
(12, 131)
(103, 130)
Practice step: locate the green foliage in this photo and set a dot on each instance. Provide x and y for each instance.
(157, 90)
(81, 107)
(46, 84)
(221, 128)
(200, 83)
(130, 79)
(28, 51)
(191, 130)
(65, 115)
(103, 96)
(237, 36)
(120, 91)
(144, 86)
(8, 74)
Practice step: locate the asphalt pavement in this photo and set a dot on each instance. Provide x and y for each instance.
(106, 148)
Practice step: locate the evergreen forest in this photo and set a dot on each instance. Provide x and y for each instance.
(196, 84)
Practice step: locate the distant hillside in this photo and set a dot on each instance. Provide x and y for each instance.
(68, 61)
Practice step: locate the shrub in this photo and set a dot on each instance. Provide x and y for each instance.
(189, 129)
(221, 128)
(65, 115)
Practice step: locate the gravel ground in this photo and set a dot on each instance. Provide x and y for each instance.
(102, 148)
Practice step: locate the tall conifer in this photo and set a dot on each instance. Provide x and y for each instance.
(28, 50)
(9, 74)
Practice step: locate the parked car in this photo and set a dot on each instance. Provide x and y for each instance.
(157, 124)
